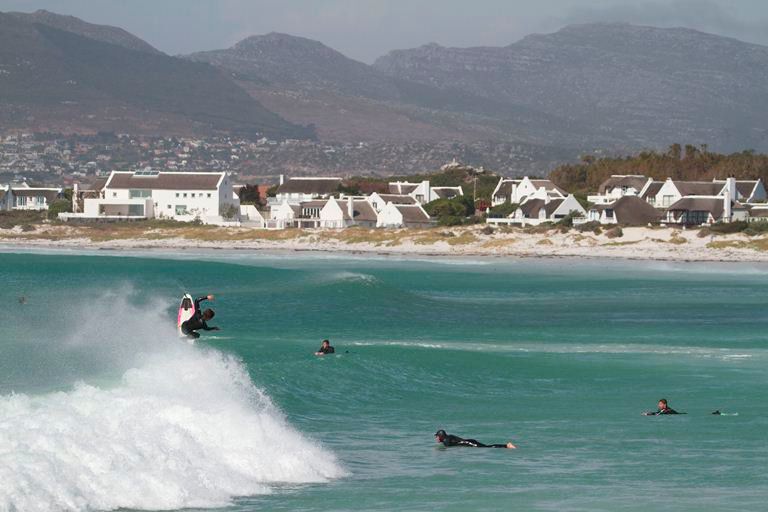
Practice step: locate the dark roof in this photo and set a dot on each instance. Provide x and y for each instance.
(363, 211)
(699, 188)
(632, 211)
(745, 188)
(166, 181)
(412, 213)
(314, 204)
(713, 205)
(758, 211)
(316, 186)
(402, 188)
(505, 188)
(398, 198)
(96, 186)
(636, 182)
(531, 207)
(446, 192)
(548, 185)
(652, 189)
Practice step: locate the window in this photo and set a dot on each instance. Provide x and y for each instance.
(40, 200)
(193, 194)
(21, 201)
(136, 210)
(114, 194)
(177, 194)
(139, 194)
(666, 200)
(169, 207)
(181, 209)
(209, 195)
(185, 194)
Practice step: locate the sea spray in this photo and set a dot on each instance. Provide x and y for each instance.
(183, 426)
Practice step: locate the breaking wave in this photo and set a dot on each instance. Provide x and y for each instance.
(182, 426)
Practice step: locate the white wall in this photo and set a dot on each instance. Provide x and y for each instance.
(389, 217)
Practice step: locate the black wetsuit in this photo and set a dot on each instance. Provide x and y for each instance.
(188, 327)
(450, 440)
(667, 410)
(327, 350)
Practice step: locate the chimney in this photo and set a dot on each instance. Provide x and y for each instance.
(282, 179)
(727, 206)
(75, 189)
(730, 184)
(350, 207)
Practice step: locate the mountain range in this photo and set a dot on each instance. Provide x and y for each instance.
(607, 86)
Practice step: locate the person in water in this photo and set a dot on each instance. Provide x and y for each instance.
(450, 440)
(199, 320)
(325, 348)
(664, 408)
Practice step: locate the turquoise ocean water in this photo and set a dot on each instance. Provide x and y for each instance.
(103, 407)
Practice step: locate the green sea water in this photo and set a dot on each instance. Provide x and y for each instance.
(103, 407)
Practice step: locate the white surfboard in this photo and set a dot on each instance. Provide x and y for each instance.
(186, 310)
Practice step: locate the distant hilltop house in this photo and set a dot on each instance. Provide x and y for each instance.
(517, 191)
(23, 197)
(182, 196)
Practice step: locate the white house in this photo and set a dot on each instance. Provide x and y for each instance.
(618, 186)
(404, 216)
(379, 201)
(24, 197)
(537, 211)
(518, 191)
(700, 210)
(181, 196)
(422, 192)
(629, 210)
(299, 190)
(348, 211)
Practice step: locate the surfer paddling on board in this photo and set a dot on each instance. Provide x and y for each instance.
(664, 408)
(199, 320)
(325, 348)
(448, 440)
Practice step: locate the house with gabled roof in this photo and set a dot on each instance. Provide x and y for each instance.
(618, 186)
(702, 210)
(517, 191)
(537, 211)
(379, 201)
(298, 190)
(404, 216)
(422, 192)
(629, 210)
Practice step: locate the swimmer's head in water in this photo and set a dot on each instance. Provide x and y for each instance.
(325, 343)
(440, 435)
(663, 403)
(208, 314)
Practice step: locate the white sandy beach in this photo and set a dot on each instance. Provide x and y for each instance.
(636, 243)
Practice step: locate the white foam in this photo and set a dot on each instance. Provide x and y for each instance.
(183, 427)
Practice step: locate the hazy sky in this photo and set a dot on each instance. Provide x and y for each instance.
(366, 29)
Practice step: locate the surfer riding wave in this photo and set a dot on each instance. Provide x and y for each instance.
(199, 320)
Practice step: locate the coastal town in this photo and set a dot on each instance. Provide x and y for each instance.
(326, 202)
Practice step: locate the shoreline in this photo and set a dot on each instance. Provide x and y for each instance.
(636, 244)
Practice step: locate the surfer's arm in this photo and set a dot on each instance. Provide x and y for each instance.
(201, 299)
(206, 327)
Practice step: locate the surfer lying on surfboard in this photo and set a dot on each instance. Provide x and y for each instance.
(199, 320)
(450, 440)
(663, 409)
